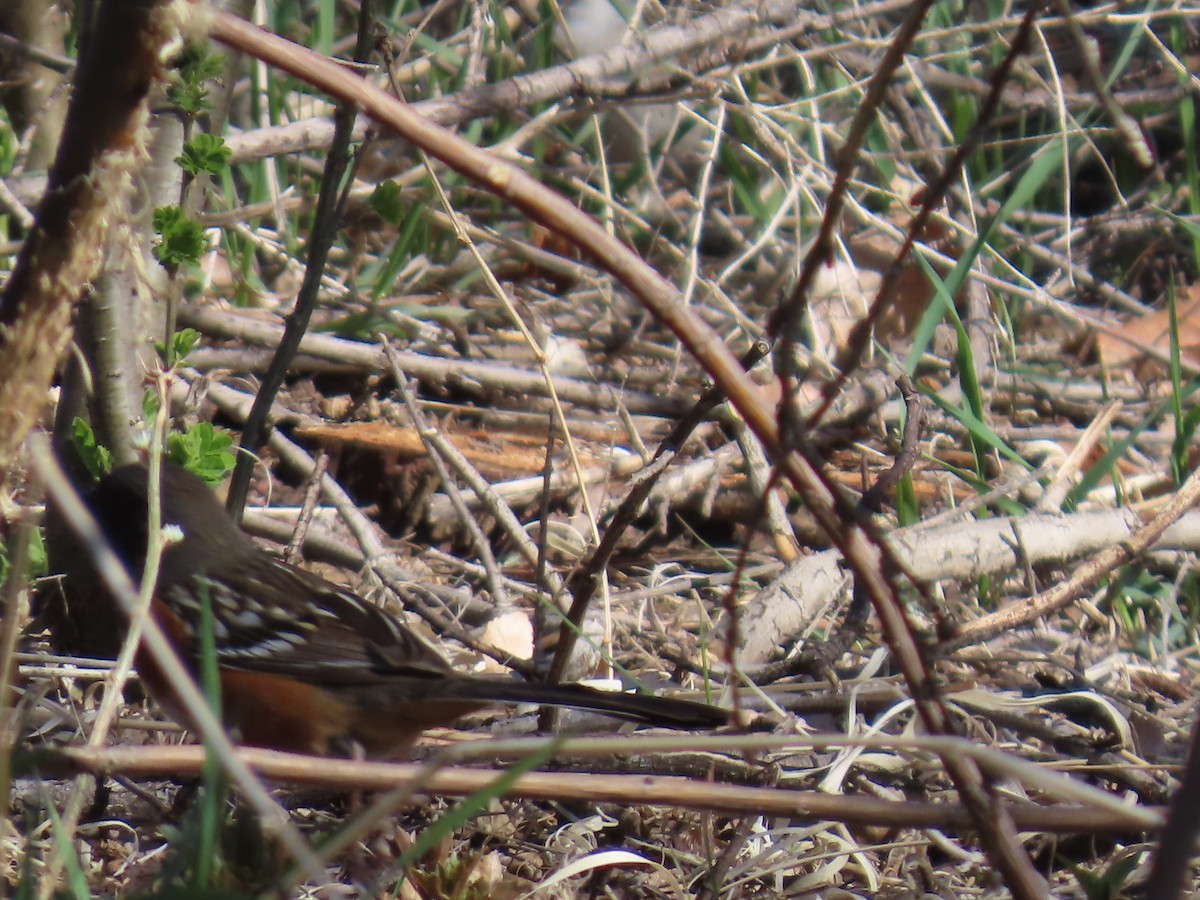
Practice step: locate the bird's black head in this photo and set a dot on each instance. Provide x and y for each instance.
(120, 504)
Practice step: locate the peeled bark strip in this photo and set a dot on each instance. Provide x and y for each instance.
(88, 193)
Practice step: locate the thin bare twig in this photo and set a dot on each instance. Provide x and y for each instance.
(1177, 845)
(1064, 593)
(856, 346)
(872, 499)
(320, 240)
(312, 494)
(432, 448)
(582, 584)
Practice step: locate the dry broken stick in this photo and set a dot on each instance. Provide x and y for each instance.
(770, 515)
(954, 551)
(466, 375)
(1080, 810)
(312, 494)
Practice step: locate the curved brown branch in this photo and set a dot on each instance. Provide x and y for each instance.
(835, 515)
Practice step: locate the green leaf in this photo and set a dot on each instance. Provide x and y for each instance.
(91, 453)
(149, 405)
(387, 201)
(39, 560)
(195, 66)
(36, 562)
(183, 342)
(204, 450)
(181, 238)
(190, 99)
(204, 153)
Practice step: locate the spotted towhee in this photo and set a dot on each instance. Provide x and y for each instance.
(305, 665)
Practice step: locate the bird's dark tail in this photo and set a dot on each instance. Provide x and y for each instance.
(649, 710)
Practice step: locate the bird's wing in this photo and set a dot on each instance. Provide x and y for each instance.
(275, 618)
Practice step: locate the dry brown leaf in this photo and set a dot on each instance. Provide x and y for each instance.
(844, 291)
(1127, 344)
(512, 633)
